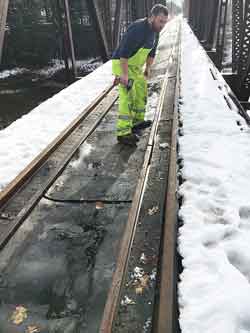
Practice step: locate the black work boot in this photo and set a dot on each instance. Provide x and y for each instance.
(129, 140)
(137, 132)
(142, 125)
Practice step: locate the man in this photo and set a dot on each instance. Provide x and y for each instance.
(137, 48)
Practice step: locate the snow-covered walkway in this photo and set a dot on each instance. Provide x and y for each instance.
(214, 241)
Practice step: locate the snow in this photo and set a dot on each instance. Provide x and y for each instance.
(25, 138)
(214, 240)
(12, 72)
(87, 65)
(48, 71)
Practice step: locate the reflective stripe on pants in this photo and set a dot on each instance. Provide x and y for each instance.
(132, 103)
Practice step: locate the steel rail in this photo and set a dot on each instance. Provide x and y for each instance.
(34, 166)
(113, 297)
(7, 230)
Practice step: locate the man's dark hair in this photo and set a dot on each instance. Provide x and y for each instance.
(158, 10)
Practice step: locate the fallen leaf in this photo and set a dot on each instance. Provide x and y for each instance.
(127, 301)
(141, 284)
(153, 275)
(164, 145)
(5, 216)
(32, 329)
(137, 273)
(139, 290)
(143, 259)
(153, 210)
(19, 315)
(144, 281)
(99, 205)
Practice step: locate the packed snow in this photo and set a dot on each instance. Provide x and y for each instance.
(214, 239)
(25, 138)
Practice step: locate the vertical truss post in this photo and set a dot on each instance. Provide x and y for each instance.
(212, 27)
(4, 4)
(117, 23)
(204, 19)
(127, 9)
(130, 15)
(146, 6)
(150, 4)
(95, 13)
(197, 20)
(194, 16)
(70, 38)
(134, 10)
(208, 18)
(244, 57)
(141, 8)
(186, 6)
(107, 18)
(192, 13)
(58, 19)
(221, 32)
(237, 25)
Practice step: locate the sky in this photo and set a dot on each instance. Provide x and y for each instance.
(177, 2)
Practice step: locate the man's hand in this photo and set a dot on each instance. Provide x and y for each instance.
(149, 63)
(124, 75)
(124, 80)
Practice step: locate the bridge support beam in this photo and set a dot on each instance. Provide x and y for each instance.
(4, 4)
(237, 25)
(221, 32)
(244, 56)
(96, 15)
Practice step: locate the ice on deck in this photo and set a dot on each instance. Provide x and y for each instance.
(214, 241)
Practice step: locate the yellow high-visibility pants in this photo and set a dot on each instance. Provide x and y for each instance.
(132, 103)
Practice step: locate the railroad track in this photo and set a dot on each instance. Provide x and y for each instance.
(166, 309)
(19, 199)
